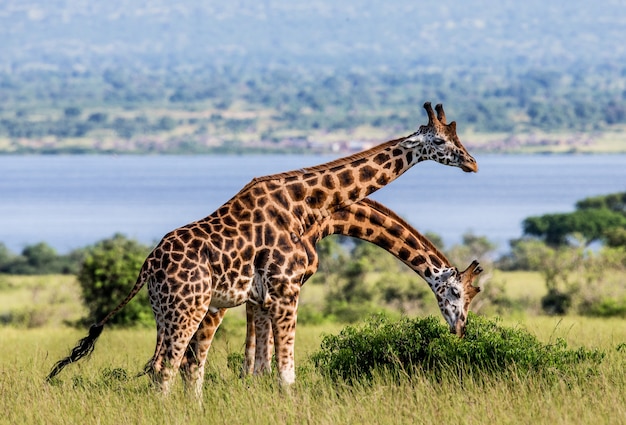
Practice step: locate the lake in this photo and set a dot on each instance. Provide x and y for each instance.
(73, 201)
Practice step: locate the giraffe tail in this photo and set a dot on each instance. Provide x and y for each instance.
(84, 348)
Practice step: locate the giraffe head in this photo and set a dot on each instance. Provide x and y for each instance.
(455, 292)
(439, 142)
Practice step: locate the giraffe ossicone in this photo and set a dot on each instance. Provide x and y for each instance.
(251, 249)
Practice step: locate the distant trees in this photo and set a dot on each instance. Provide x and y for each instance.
(589, 281)
(39, 258)
(602, 218)
(300, 102)
(106, 271)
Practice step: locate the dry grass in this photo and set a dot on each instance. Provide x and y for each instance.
(90, 393)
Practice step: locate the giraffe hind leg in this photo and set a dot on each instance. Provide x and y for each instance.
(263, 341)
(248, 366)
(178, 318)
(151, 366)
(192, 365)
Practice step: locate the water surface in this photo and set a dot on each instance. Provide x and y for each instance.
(73, 201)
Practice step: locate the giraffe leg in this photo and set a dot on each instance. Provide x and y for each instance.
(248, 366)
(264, 341)
(153, 367)
(178, 318)
(259, 348)
(156, 310)
(283, 312)
(192, 365)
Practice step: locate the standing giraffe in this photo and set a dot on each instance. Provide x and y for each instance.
(370, 221)
(250, 249)
(373, 222)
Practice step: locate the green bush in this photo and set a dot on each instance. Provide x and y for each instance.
(310, 315)
(425, 344)
(556, 302)
(106, 276)
(28, 317)
(606, 307)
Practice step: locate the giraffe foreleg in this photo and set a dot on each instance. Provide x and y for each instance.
(259, 350)
(283, 313)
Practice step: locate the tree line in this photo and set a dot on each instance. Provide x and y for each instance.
(360, 280)
(40, 104)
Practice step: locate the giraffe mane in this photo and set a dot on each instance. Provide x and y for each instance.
(422, 239)
(327, 165)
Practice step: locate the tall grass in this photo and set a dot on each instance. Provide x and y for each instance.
(103, 389)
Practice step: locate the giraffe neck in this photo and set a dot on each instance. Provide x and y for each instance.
(370, 221)
(339, 183)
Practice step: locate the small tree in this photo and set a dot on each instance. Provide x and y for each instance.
(107, 274)
(472, 247)
(595, 219)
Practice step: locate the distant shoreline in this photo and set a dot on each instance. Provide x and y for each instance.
(510, 145)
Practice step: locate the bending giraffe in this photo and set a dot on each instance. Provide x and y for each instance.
(250, 249)
(373, 222)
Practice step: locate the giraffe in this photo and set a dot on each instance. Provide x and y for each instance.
(373, 222)
(250, 248)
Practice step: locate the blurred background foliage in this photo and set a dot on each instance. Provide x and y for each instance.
(582, 272)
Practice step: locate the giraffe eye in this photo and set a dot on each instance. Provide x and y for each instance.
(438, 141)
(455, 292)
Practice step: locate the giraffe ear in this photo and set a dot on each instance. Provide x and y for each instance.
(472, 291)
(412, 141)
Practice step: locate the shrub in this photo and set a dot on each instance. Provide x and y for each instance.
(556, 302)
(28, 317)
(310, 315)
(426, 344)
(107, 274)
(606, 307)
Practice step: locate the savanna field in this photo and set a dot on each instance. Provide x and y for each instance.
(104, 389)
(130, 116)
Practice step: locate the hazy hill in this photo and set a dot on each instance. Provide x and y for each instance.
(312, 33)
(199, 76)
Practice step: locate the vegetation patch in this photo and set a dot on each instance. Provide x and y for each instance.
(425, 344)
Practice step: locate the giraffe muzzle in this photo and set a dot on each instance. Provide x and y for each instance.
(459, 329)
(469, 165)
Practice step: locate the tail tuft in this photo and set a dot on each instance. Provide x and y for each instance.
(94, 331)
(84, 348)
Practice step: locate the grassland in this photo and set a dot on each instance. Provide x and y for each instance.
(103, 389)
